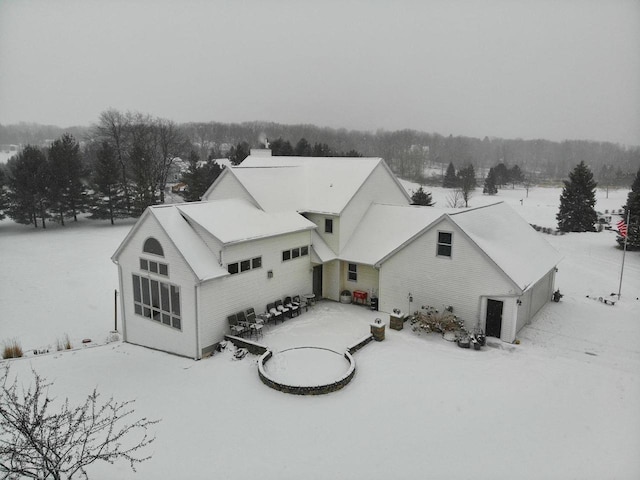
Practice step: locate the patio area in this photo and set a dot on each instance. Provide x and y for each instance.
(328, 324)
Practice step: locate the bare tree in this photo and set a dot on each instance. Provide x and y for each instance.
(43, 439)
(455, 199)
(171, 144)
(113, 127)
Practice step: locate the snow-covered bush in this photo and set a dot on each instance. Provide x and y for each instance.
(432, 320)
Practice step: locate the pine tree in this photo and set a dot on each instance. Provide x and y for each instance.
(632, 207)
(109, 201)
(515, 175)
(3, 195)
(420, 197)
(577, 212)
(28, 179)
(490, 183)
(66, 191)
(303, 148)
(199, 177)
(450, 178)
(238, 153)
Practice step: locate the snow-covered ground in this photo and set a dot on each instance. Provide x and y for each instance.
(561, 404)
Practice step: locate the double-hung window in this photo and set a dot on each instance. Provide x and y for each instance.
(445, 243)
(352, 272)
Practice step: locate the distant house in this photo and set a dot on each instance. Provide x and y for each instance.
(279, 226)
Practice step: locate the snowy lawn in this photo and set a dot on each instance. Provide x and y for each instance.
(562, 404)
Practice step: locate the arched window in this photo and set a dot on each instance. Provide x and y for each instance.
(151, 245)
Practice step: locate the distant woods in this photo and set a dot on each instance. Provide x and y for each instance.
(127, 161)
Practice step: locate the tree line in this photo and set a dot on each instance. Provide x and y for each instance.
(407, 152)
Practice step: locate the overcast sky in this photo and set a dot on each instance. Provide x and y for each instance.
(552, 69)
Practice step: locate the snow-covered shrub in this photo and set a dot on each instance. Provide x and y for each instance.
(432, 320)
(113, 337)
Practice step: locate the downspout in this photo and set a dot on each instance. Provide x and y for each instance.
(197, 294)
(122, 311)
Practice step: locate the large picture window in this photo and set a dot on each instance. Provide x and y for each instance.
(156, 300)
(445, 244)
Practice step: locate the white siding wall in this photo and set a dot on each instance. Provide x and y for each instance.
(331, 239)
(367, 279)
(144, 331)
(229, 187)
(331, 280)
(534, 299)
(222, 297)
(459, 281)
(380, 187)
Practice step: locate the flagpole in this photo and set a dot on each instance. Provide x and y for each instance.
(624, 252)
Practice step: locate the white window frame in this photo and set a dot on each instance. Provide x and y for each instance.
(441, 244)
(352, 273)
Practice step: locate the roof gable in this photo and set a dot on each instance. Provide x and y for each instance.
(505, 237)
(305, 184)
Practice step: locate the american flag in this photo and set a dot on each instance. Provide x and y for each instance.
(622, 228)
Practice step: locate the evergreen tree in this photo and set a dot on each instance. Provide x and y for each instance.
(109, 201)
(420, 197)
(577, 212)
(67, 195)
(502, 174)
(28, 179)
(321, 150)
(515, 175)
(3, 194)
(632, 207)
(281, 148)
(303, 148)
(490, 183)
(238, 153)
(199, 177)
(450, 178)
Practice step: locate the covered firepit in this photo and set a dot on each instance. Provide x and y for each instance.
(306, 370)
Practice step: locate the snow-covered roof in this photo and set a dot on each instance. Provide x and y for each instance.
(236, 220)
(503, 235)
(521, 253)
(385, 228)
(321, 249)
(305, 184)
(192, 248)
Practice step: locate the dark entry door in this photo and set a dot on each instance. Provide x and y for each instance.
(494, 318)
(317, 281)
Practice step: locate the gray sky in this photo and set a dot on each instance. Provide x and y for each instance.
(529, 68)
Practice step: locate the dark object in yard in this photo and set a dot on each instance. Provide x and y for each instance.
(86, 340)
(464, 342)
(557, 296)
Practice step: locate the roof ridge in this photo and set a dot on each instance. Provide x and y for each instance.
(476, 208)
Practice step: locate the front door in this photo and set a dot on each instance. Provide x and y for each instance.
(494, 318)
(317, 281)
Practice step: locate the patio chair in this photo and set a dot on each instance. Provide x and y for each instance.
(286, 312)
(236, 328)
(295, 309)
(255, 327)
(274, 312)
(301, 303)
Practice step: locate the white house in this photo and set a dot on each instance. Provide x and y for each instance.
(279, 226)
